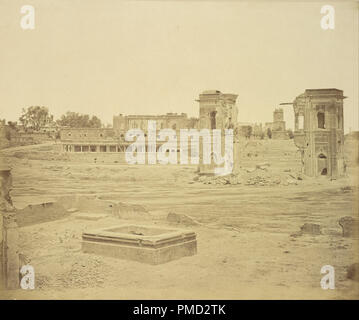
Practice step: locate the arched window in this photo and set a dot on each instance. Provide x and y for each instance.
(321, 120)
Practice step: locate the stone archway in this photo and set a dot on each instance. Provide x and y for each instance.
(322, 164)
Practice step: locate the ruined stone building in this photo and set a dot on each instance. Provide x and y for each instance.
(319, 132)
(113, 139)
(90, 140)
(168, 121)
(217, 110)
(277, 127)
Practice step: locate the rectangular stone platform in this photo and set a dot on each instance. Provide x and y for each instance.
(147, 244)
(90, 216)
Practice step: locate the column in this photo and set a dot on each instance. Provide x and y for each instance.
(9, 235)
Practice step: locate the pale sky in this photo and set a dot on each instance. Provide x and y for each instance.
(151, 57)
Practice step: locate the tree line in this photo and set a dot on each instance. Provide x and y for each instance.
(36, 117)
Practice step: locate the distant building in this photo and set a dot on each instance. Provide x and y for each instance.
(113, 139)
(90, 140)
(277, 127)
(217, 110)
(168, 121)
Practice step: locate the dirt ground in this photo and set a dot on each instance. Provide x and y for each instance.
(248, 246)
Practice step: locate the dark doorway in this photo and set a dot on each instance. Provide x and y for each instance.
(322, 165)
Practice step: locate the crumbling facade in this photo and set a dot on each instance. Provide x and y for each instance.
(168, 121)
(217, 110)
(319, 131)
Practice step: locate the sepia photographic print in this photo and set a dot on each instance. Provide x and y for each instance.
(179, 150)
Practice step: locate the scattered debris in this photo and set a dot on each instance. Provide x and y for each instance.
(38, 213)
(181, 219)
(258, 176)
(229, 179)
(95, 204)
(263, 166)
(350, 226)
(353, 272)
(346, 189)
(310, 228)
(129, 211)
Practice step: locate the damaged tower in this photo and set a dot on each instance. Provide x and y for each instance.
(319, 132)
(217, 110)
(278, 127)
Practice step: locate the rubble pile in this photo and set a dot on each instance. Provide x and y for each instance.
(260, 175)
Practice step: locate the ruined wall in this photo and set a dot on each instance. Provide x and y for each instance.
(217, 110)
(167, 121)
(87, 134)
(9, 236)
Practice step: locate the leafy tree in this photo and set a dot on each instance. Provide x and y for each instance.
(12, 125)
(76, 120)
(35, 117)
(246, 131)
(257, 131)
(269, 133)
(95, 122)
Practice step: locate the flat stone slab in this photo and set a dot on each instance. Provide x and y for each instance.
(147, 244)
(90, 216)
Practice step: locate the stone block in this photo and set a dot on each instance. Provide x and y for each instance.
(90, 216)
(310, 228)
(147, 244)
